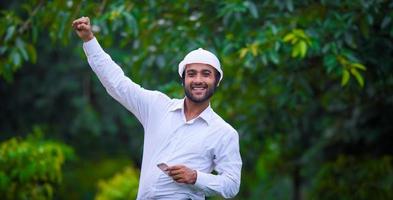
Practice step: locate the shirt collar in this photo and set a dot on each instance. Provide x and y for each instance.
(178, 104)
(206, 114)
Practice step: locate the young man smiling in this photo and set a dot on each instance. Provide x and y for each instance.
(184, 139)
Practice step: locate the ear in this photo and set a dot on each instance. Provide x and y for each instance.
(217, 77)
(182, 81)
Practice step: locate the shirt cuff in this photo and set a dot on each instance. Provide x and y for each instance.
(92, 47)
(202, 180)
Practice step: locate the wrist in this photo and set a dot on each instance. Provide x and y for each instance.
(88, 38)
(194, 176)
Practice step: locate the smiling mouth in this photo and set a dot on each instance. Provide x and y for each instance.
(198, 88)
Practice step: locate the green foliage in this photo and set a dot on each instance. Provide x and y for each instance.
(272, 175)
(351, 68)
(352, 178)
(123, 185)
(31, 168)
(269, 160)
(89, 171)
(300, 42)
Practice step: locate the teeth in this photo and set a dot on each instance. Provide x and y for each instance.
(198, 87)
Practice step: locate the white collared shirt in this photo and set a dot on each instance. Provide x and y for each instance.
(205, 143)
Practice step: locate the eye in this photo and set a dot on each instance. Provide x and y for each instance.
(190, 74)
(206, 73)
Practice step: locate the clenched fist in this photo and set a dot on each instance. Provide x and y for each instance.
(83, 28)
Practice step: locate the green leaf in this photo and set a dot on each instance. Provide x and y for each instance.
(254, 48)
(253, 9)
(342, 60)
(15, 58)
(274, 29)
(243, 52)
(299, 33)
(359, 66)
(330, 62)
(295, 40)
(10, 33)
(295, 50)
(289, 5)
(288, 37)
(130, 19)
(21, 47)
(303, 48)
(32, 53)
(345, 77)
(276, 46)
(358, 76)
(274, 57)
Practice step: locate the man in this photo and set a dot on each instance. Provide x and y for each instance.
(185, 140)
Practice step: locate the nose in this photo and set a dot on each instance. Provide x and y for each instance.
(198, 78)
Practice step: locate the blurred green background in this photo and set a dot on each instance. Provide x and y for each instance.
(307, 84)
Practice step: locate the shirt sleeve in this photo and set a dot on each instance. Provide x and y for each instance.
(228, 166)
(124, 90)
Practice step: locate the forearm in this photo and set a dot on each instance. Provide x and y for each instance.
(120, 87)
(227, 163)
(108, 72)
(129, 94)
(224, 185)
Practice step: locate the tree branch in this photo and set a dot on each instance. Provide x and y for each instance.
(27, 23)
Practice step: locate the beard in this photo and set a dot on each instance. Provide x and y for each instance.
(209, 93)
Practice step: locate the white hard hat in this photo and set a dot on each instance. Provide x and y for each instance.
(201, 56)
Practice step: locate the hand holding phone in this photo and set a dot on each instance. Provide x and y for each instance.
(163, 167)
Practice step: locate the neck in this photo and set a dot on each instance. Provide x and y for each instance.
(193, 109)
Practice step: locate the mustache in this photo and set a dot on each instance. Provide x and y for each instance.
(198, 85)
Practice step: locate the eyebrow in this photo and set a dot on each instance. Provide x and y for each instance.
(203, 70)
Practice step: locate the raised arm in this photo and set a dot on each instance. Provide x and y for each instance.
(136, 99)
